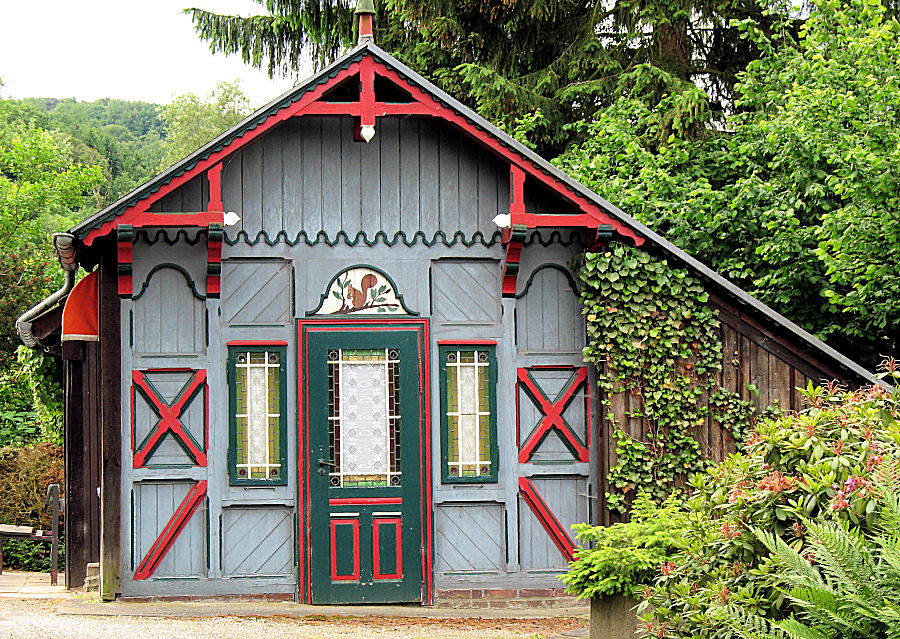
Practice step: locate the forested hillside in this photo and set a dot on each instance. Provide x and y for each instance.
(60, 161)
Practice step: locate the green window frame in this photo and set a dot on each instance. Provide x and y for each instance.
(480, 359)
(269, 467)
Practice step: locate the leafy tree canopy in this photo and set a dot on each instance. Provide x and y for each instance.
(122, 137)
(190, 121)
(795, 199)
(42, 188)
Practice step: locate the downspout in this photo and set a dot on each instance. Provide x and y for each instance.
(64, 243)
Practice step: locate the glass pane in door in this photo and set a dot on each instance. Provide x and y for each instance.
(364, 417)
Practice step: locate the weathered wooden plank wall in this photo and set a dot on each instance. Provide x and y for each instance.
(311, 175)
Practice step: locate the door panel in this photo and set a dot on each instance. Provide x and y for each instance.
(365, 425)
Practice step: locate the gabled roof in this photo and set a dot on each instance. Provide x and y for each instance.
(443, 105)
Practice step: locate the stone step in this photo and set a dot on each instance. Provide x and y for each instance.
(514, 599)
(92, 577)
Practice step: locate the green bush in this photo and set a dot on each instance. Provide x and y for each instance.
(623, 557)
(25, 473)
(844, 584)
(34, 556)
(817, 466)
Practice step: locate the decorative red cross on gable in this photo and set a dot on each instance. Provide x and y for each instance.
(170, 416)
(552, 412)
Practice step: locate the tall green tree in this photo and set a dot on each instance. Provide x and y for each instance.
(191, 121)
(796, 198)
(41, 188)
(568, 58)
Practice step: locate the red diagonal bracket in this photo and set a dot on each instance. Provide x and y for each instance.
(548, 520)
(170, 533)
(169, 418)
(552, 414)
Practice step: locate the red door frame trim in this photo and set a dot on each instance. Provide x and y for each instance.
(345, 522)
(547, 519)
(167, 537)
(304, 547)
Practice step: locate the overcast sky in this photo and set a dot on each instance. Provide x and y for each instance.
(123, 49)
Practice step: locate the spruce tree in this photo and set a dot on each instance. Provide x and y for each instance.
(566, 58)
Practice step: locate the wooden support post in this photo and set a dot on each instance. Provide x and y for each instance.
(214, 177)
(124, 251)
(52, 502)
(514, 237)
(110, 429)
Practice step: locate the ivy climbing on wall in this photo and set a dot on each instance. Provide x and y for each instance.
(655, 343)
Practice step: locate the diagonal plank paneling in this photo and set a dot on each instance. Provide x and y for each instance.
(256, 292)
(469, 537)
(466, 291)
(257, 540)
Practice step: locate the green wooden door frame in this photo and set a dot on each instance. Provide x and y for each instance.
(351, 539)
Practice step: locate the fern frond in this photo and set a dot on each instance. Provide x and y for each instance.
(843, 556)
(796, 630)
(745, 624)
(787, 557)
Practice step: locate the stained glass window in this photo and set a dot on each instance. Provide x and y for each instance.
(257, 398)
(468, 412)
(364, 417)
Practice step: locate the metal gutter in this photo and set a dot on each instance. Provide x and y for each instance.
(64, 244)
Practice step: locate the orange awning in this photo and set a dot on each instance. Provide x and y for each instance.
(79, 320)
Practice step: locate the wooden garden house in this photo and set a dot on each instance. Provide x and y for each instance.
(335, 356)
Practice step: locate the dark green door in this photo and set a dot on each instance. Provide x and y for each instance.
(365, 459)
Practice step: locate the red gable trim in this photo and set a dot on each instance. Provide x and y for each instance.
(136, 212)
(367, 109)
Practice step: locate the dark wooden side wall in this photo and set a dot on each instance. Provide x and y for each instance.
(752, 353)
(82, 424)
(110, 428)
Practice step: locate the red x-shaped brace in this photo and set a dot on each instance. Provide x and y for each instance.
(169, 418)
(552, 414)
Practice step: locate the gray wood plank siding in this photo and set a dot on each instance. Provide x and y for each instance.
(466, 292)
(191, 197)
(415, 175)
(257, 292)
(168, 317)
(470, 538)
(546, 318)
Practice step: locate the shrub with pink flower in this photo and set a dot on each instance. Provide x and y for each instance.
(819, 465)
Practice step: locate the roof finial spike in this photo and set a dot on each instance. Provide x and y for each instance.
(365, 10)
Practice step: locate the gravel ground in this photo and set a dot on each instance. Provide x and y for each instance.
(37, 619)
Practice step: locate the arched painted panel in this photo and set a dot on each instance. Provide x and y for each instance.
(548, 314)
(169, 317)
